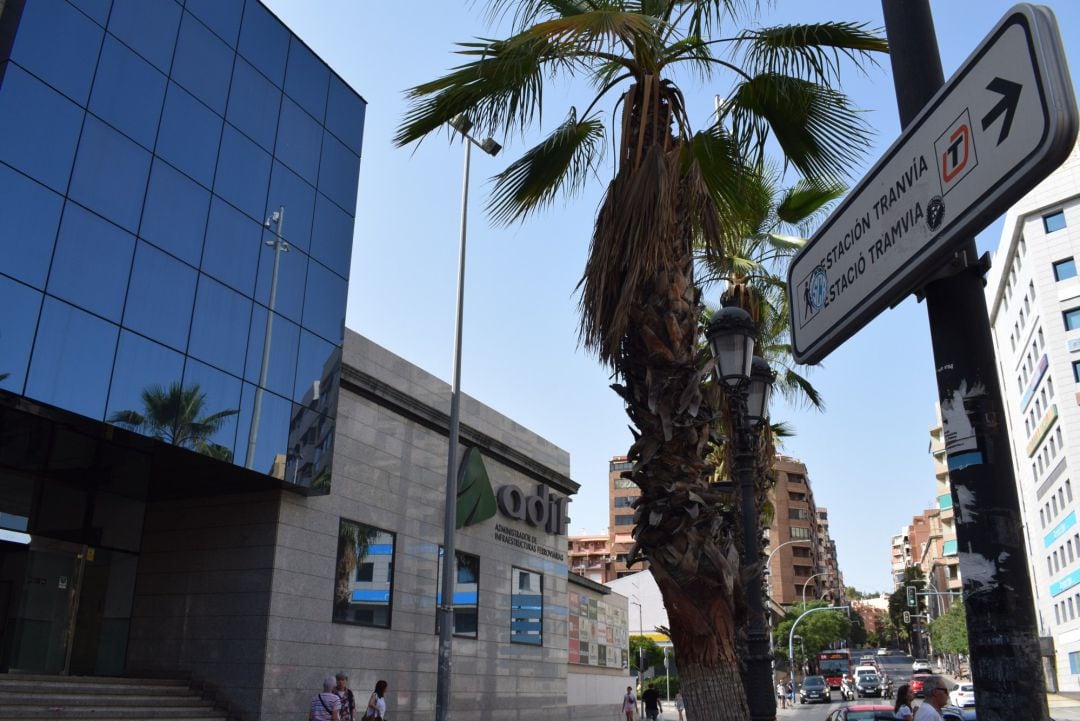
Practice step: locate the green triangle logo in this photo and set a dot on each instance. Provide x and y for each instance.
(475, 499)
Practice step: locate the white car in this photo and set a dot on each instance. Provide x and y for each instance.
(921, 664)
(883, 652)
(963, 695)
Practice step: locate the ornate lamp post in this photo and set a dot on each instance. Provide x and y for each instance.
(748, 380)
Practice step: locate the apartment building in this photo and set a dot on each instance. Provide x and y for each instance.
(940, 562)
(794, 551)
(1033, 297)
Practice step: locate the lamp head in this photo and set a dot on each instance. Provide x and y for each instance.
(490, 147)
(757, 400)
(731, 338)
(461, 124)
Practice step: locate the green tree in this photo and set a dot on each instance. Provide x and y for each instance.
(673, 188)
(949, 631)
(913, 576)
(177, 415)
(819, 631)
(644, 646)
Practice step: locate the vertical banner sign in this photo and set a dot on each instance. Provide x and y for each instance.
(1002, 123)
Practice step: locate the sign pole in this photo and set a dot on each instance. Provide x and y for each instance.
(1000, 612)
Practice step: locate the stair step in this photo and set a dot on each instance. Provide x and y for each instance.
(102, 712)
(63, 689)
(92, 680)
(69, 700)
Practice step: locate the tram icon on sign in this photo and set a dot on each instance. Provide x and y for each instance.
(955, 151)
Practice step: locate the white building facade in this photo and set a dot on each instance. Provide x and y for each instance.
(1033, 296)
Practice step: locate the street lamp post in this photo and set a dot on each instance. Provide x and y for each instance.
(748, 382)
(791, 637)
(634, 600)
(807, 582)
(767, 569)
(449, 572)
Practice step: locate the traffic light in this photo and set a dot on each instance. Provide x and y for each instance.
(907, 617)
(911, 596)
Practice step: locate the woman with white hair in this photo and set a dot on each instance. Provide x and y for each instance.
(326, 706)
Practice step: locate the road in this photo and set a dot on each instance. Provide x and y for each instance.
(897, 667)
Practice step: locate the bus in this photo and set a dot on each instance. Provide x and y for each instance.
(835, 666)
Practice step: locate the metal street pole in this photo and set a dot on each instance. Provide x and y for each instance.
(445, 610)
(997, 592)
(767, 569)
(640, 652)
(757, 663)
(791, 640)
(807, 582)
(277, 219)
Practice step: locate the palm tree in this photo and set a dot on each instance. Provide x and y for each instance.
(175, 415)
(672, 188)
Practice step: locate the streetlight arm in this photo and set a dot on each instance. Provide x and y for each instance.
(823, 573)
(791, 638)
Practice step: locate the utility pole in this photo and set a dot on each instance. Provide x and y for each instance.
(1000, 612)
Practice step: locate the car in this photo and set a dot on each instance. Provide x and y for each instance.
(866, 712)
(883, 652)
(963, 695)
(917, 682)
(814, 688)
(867, 661)
(868, 684)
(921, 664)
(954, 713)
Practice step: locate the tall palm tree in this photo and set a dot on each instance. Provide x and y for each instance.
(672, 187)
(175, 415)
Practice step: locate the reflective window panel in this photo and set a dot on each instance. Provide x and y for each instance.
(148, 27)
(289, 189)
(264, 42)
(243, 173)
(233, 244)
(174, 217)
(60, 45)
(110, 174)
(160, 296)
(284, 344)
(39, 128)
(298, 141)
(72, 359)
(189, 135)
(98, 10)
(253, 104)
(316, 367)
(19, 308)
(221, 16)
(345, 114)
(292, 274)
(219, 326)
(92, 263)
(128, 93)
(264, 446)
(146, 395)
(364, 586)
(324, 303)
(338, 173)
(31, 216)
(203, 63)
(307, 79)
(466, 593)
(311, 448)
(526, 607)
(217, 395)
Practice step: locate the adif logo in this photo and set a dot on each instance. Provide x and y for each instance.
(475, 499)
(815, 290)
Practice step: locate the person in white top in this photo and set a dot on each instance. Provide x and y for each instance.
(376, 705)
(936, 691)
(904, 698)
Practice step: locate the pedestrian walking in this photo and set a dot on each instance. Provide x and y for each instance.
(326, 706)
(937, 695)
(653, 707)
(902, 708)
(376, 705)
(348, 700)
(781, 694)
(680, 705)
(629, 703)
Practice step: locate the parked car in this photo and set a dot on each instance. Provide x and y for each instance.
(866, 712)
(883, 652)
(868, 684)
(917, 681)
(963, 695)
(814, 688)
(921, 664)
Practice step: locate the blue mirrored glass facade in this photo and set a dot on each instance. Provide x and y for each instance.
(143, 146)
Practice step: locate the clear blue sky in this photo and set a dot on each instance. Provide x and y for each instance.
(867, 454)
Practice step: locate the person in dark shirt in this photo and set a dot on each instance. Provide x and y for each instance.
(651, 698)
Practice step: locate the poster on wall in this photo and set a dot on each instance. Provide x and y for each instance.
(598, 633)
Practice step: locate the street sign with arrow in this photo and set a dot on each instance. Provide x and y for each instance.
(1002, 123)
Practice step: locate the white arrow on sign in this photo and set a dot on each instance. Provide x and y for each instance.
(1001, 124)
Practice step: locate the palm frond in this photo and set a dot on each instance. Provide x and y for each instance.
(704, 17)
(812, 51)
(524, 13)
(796, 388)
(131, 419)
(804, 200)
(818, 130)
(561, 163)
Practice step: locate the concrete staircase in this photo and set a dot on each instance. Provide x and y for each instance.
(101, 698)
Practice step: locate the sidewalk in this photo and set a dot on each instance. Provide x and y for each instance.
(1064, 706)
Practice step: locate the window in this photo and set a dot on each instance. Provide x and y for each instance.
(800, 551)
(1050, 390)
(624, 483)
(624, 501)
(797, 478)
(1072, 318)
(466, 594)
(797, 496)
(188, 137)
(128, 93)
(1042, 340)
(1076, 371)
(1064, 269)
(60, 45)
(1022, 245)
(624, 520)
(1054, 221)
(800, 514)
(161, 294)
(526, 607)
(19, 308)
(357, 601)
(800, 533)
(31, 216)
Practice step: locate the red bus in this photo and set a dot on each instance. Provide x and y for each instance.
(834, 666)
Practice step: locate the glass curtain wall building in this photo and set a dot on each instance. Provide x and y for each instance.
(178, 181)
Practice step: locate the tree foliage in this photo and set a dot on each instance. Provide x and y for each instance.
(819, 631)
(643, 645)
(949, 631)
